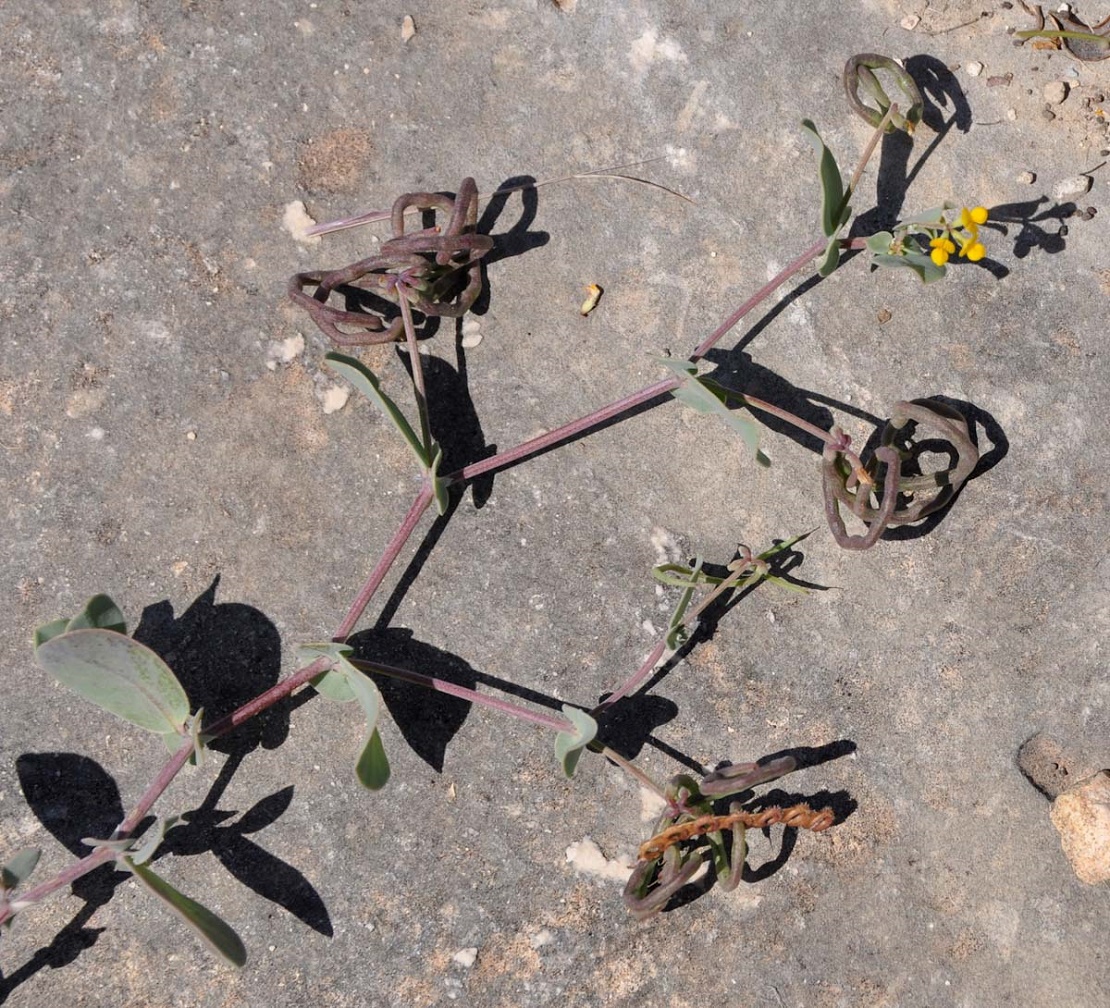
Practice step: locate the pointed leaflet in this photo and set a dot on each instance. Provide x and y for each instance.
(220, 937)
(705, 396)
(100, 612)
(47, 630)
(569, 744)
(119, 675)
(439, 483)
(363, 379)
(372, 767)
(834, 200)
(333, 683)
(19, 867)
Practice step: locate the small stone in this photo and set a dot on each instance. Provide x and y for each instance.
(471, 333)
(1011, 114)
(1047, 114)
(974, 69)
(335, 398)
(884, 316)
(465, 957)
(1027, 178)
(911, 22)
(1075, 186)
(1082, 818)
(190, 435)
(408, 28)
(1055, 92)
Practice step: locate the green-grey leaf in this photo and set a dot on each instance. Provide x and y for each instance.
(372, 768)
(676, 628)
(569, 744)
(920, 263)
(704, 395)
(119, 675)
(220, 937)
(332, 684)
(439, 484)
(47, 630)
(151, 842)
(100, 612)
(832, 185)
(680, 576)
(19, 867)
(363, 379)
(929, 217)
(879, 243)
(831, 259)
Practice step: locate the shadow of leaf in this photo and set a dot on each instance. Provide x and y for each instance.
(224, 655)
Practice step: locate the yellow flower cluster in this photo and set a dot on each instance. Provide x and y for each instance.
(965, 235)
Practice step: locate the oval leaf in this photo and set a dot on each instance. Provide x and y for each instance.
(119, 675)
(569, 744)
(217, 935)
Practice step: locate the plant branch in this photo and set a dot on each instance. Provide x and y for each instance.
(481, 699)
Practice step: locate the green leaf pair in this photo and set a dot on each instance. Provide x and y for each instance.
(428, 455)
(703, 395)
(343, 683)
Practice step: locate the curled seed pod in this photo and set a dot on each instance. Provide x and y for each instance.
(928, 492)
(436, 270)
(859, 77)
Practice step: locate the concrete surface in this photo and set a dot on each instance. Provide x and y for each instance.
(148, 155)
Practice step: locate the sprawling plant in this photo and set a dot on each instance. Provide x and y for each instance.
(436, 272)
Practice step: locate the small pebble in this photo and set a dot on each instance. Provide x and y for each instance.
(1047, 114)
(1027, 178)
(334, 398)
(1055, 92)
(471, 333)
(190, 435)
(974, 69)
(884, 316)
(911, 22)
(1075, 186)
(1011, 114)
(408, 28)
(465, 957)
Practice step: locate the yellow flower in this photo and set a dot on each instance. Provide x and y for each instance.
(970, 247)
(942, 247)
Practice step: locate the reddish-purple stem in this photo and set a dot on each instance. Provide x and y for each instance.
(442, 686)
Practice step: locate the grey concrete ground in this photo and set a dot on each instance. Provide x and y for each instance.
(156, 440)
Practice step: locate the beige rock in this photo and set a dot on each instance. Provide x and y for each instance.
(1082, 818)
